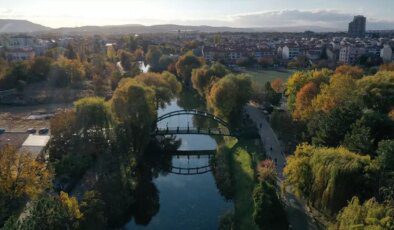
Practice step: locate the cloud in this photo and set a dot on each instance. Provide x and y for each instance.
(315, 18)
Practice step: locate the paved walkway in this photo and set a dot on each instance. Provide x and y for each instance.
(296, 211)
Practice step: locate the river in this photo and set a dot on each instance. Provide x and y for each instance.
(187, 201)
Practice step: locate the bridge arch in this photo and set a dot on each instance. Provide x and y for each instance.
(193, 112)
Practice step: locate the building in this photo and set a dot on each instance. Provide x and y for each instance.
(350, 54)
(290, 52)
(19, 48)
(386, 53)
(33, 144)
(357, 27)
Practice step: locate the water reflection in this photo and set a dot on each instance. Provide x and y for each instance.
(182, 202)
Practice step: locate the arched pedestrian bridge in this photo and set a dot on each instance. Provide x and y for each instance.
(225, 131)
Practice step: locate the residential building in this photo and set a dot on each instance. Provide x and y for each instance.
(386, 53)
(350, 54)
(290, 52)
(357, 27)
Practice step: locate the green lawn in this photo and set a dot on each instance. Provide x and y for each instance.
(263, 76)
(245, 153)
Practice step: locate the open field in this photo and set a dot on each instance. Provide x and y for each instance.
(263, 76)
(15, 118)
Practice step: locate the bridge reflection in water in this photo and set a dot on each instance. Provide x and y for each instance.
(192, 169)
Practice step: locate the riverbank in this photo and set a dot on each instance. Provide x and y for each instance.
(244, 155)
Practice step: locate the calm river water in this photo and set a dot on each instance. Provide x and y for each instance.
(187, 202)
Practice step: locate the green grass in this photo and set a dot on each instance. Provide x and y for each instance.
(245, 153)
(263, 76)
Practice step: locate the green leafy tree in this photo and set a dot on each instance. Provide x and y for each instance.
(329, 177)
(53, 212)
(386, 154)
(228, 96)
(185, 66)
(268, 210)
(330, 129)
(165, 85)
(93, 210)
(133, 105)
(153, 57)
(367, 215)
(92, 113)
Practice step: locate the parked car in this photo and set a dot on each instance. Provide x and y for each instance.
(43, 131)
(2, 130)
(31, 131)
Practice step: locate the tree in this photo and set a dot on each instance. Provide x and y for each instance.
(203, 78)
(40, 68)
(277, 85)
(329, 129)
(303, 106)
(133, 105)
(53, 212)
(353, 71)
(369, 215)
(359, 139)
(299, 79)
(377, 92)
(93, 210)
(338, 93)
(92, 113)
(270, 95)
(165, 85)
(21, 178)
(153, 57)
(268, 210)
(266, 171)
(329, 177)
(185, 66)
(386, 154)
(228, 96)
(65, 72)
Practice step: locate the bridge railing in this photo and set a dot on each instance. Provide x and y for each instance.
(192, 112)
(192, 130)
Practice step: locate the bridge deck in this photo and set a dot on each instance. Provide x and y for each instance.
(200, 131)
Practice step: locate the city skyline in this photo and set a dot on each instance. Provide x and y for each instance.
(235, 13)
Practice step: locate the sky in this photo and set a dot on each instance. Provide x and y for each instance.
(234, 13)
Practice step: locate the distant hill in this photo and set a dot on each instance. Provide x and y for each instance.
(136, 28)
(20, 26)
(23, 26)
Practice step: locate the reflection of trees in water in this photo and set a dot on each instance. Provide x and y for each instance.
(190, 100)
(126, 184)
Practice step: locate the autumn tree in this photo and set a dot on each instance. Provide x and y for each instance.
(277, 85)
(228, 96)
(338, 92)
(299, 79)
(303, 105)
(22, 177)
(185, 66)
(353, 71)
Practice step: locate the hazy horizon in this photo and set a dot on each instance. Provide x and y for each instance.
(334, 14)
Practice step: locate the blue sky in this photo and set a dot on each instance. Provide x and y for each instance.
(236, 13)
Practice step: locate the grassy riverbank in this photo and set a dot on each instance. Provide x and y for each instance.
(260, 77)
(244, 155)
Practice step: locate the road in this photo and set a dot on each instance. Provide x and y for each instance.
(297, 214)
